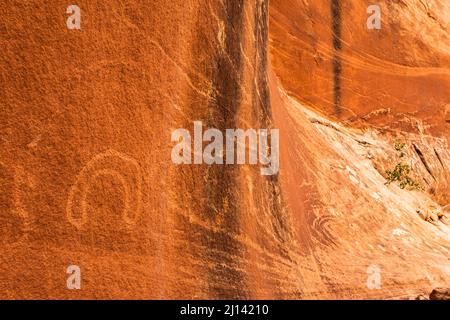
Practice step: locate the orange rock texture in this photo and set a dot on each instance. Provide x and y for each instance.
(86, 175)
(396, 77)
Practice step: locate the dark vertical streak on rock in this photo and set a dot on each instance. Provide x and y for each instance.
(223, 247)
(214, 243)
(424, 161)
(336, 24)
(260, 91)
(439, 158)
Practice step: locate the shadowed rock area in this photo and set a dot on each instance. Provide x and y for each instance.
(87, 179)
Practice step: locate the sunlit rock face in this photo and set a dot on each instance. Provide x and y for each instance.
(394, 80)
(85, 167)
(87, 179)
(395, 77)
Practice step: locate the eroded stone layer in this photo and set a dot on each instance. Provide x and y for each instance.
(397, 77)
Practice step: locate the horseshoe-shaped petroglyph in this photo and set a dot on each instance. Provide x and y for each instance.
(122, 168)
(21, 180)
(15, 182)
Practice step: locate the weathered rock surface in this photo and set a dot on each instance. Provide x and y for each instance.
(394, 78)
(440, 294)
(86, 176)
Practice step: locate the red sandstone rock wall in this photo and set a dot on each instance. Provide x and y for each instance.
(86, 176)
(394, 78)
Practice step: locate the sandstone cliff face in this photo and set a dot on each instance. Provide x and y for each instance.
(86, 171)
(86, 176)
(393, 78)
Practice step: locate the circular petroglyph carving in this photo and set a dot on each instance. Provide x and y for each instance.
(113, 164)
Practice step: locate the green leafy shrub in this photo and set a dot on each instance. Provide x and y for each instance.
(401, 174)
(400, 147)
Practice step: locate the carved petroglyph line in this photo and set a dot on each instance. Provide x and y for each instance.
(321, 229)
(15, 220)
(21, 178)
(111, 163)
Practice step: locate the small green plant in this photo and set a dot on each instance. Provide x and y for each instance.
(400, 147)
(401, 174)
